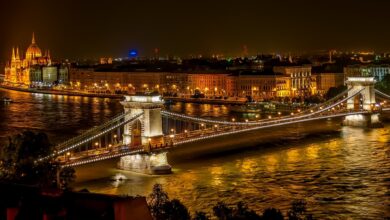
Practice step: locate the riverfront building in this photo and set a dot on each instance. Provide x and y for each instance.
(302, 82)
(35, 69)
(377, 71)
(127, 82)
(262, 86)
(325, 81)
(259, 85)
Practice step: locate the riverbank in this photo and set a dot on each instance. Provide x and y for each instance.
(206, 101)
(58, 92)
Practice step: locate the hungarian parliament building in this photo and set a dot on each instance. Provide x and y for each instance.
(35, 69)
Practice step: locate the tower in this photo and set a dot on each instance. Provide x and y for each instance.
(366, 99)
(13, 54)
(149, 132)
(17, 54)
(363, 102)
(33, 38)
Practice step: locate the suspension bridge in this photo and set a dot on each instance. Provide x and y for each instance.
(141, 136)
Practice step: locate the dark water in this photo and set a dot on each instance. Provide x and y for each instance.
(59, 116)
(346, 176)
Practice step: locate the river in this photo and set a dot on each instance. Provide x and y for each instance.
(342, 176)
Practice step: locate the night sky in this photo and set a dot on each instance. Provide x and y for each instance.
(92, 29)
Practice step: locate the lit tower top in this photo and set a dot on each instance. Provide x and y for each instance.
(17, 53)
(13, 54)
(33, 51)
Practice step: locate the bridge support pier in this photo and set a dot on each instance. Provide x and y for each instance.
(146, 163)
(368, 120)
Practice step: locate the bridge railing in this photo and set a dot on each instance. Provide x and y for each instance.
(124, 151)
(92, 131)
(269, 125)
(89, 138)
(382, 94)
(261, 122)
(327, 101)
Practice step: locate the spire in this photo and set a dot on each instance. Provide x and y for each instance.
(33, 38)
(48, 54)
(17, 53)
(13, 53)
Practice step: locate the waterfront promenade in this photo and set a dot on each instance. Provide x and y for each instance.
(236, 101)
(62, 92)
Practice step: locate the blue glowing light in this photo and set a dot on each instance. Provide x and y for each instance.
(133, 53)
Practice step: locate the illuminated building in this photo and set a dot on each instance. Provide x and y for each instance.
(210, 84)
(263, 86)
(130, 82)
(302, 83)
(377, 71)
(325, 81)
(18, 69)
(105, 60)
(35, 68)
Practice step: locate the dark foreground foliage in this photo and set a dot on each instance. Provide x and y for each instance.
(164, 209)
(19, 162)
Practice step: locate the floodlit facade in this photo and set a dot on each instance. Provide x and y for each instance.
(302, 82)
(35, 69)
(377, 71)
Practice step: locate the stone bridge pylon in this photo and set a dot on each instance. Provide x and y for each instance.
(146, 131)
(364, 101)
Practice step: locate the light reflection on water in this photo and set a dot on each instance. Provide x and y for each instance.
(347, 175)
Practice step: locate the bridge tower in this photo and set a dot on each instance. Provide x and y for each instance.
(364, 101)
(149, 131)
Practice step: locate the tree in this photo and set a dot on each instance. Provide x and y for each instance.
(272, 214)
(384, 85)
(175, 210)
(298, 211)
(156, 201)
(243, 212)
(200, 216)
(18, 160)
(222, 211)
(334, 91)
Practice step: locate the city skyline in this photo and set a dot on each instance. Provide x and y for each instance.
(90, 30)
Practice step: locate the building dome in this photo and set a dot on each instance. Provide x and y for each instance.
(33, 50)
